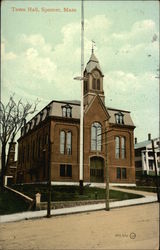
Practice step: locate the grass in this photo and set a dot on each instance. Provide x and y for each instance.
(72, 193)
(141, 188)
(11, 203)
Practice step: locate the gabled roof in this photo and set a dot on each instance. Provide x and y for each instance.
(101, 103)
(93, 63)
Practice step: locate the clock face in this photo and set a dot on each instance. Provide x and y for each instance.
(96, 74)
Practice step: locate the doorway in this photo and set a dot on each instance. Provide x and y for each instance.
(96, 169)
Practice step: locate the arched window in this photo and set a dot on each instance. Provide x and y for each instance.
(66, 142)
(33, 150)
(117, 147)
(85, 86)
(119, 118)
(94, 83)
(69, 143)
(98, 84)
(62, 142)
(66, 111)
(123, 147)
(96, 136)
(69, 113)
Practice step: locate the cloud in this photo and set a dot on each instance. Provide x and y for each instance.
(36, 41)
(47, 70)
(6, 56)
(141, 31)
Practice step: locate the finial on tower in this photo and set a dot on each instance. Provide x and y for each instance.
(93, 44)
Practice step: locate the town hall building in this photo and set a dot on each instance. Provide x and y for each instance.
(51, 139)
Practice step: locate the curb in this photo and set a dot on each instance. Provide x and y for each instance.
(74, 210)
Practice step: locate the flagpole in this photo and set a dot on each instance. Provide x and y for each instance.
(82, 83)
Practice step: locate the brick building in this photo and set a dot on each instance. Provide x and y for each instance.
(51, 138)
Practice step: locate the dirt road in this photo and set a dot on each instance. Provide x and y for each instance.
(124, 228)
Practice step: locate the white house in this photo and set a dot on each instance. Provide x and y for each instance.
(144, 158)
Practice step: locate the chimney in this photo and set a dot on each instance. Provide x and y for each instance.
(149, 137)
(135, 140)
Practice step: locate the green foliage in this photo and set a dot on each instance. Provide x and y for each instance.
(11, 203)
(72, 193)
(141, 188)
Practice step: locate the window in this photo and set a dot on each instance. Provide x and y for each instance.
(85, 86)
(67, 111)
(69, 143)
(62, 170)
(96, 136)
(64, 111)
(69, 171)
(39, 146)
(96, 84)
(123, 147)
(151, 164)
(117, 147)
(119, 118)
(33, 150)
(121, 173)
(28, 152)
(65, 170)
(120, 147)
(62, 142)
(118, 173)
(124, 175)
(66, 142)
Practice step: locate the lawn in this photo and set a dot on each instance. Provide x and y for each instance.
(72, 193)
(11, 203)
(141, 188)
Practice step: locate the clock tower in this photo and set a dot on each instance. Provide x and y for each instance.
(93, 80)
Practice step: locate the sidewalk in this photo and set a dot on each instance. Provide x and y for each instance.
(149, 198)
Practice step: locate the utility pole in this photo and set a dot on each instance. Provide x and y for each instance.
(107, 174)
(49, 173)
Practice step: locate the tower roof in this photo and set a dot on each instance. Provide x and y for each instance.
(93, 63)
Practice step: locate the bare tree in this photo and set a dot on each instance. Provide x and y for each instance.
(12, 117)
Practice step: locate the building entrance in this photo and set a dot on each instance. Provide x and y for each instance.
(96, 169)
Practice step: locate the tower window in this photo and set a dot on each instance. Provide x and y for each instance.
(85, 86)
(94, 83)
(67, 111)
(98, 84)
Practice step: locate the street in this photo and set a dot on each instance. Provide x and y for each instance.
(133, 227)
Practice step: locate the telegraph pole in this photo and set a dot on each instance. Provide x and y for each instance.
(107, 174)
(49, 173)
(155, 164)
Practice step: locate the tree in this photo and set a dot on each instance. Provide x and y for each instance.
(12, 117)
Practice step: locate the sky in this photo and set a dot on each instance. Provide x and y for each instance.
(41, 54)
